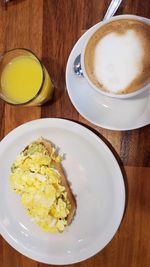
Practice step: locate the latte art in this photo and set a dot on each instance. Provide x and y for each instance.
(117, 57)
(118, 60)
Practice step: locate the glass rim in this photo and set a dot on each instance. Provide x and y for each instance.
(43, 77)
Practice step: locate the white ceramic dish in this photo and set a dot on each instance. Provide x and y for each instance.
(103, 111)
(95, 178)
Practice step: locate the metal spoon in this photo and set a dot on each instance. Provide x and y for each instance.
(110, 12)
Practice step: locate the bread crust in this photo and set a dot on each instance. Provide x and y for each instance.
(64, 182)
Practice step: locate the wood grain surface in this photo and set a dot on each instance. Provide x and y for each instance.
(50, 28)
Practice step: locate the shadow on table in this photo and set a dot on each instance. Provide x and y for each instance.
(57, 75)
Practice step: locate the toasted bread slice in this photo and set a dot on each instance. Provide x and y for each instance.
(64, 181)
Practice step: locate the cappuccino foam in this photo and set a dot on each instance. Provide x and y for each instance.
(119, 61)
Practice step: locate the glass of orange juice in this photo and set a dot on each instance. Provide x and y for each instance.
(23, 79)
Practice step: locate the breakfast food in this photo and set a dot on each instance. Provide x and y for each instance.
(117, 56)
(38, 177)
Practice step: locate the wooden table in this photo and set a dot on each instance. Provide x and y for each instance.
(50, 28)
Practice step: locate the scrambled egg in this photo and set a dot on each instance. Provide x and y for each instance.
(35, 179)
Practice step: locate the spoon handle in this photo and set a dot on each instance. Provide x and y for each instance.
(112, 9)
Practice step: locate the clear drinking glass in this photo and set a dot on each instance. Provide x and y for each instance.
(23, 79)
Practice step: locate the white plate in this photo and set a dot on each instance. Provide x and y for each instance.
(106, 112)
(96, 181)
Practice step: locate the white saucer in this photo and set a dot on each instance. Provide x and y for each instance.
(106, 112)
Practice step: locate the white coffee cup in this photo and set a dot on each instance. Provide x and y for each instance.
(130, 71)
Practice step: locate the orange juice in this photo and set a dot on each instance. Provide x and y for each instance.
(22, 81)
